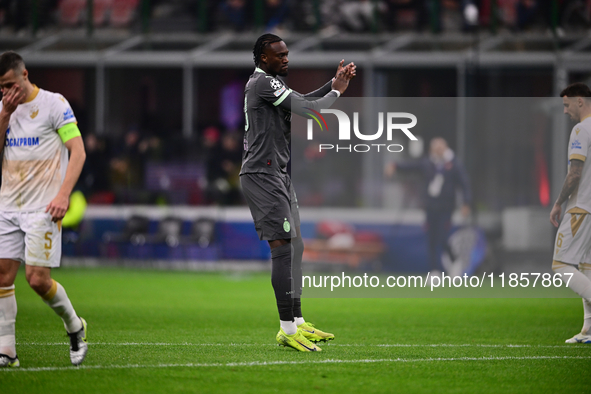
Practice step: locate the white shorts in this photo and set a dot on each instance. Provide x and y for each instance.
(30, 237)
(573, 240)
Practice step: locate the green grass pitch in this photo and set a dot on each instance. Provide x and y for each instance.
(185, 332)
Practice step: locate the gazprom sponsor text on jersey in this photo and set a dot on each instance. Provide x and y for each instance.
(25, 141)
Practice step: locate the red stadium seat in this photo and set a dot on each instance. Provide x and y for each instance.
(101, 10)
(70, 11)
(122, 12)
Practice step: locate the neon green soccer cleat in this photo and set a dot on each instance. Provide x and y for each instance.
(296, 341)
(8, 362)
(313, 334)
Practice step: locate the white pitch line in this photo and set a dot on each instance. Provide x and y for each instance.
(271, 363)
(325, 344)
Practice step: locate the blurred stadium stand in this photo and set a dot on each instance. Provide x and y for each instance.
(290, 15)
(171, 72)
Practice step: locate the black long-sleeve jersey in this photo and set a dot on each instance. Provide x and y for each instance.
(268, 105)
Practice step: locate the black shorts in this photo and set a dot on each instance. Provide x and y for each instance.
(273, 205)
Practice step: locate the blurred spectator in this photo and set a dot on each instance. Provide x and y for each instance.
(211, 155)
(231, 161)
(19, 13)
(331, 15)
(150, 114)
(448, 15)
(232, 105)
(405, 13)
(94, 179)
(526, 12)
(223, 157)
(128, 165)
(152, 148)
(276, 14)
(4, 12)
(239, 15)
(572, 14)
(122, 173)
(443, 175)
(308, 15)
(360, 15)
(232, 14)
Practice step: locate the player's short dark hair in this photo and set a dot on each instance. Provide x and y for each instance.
(11, 60)
(262, 42)
(577, 89)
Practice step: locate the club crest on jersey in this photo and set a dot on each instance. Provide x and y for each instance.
(34, 111)
(275, 84)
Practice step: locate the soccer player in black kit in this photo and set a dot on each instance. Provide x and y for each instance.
(266, 184)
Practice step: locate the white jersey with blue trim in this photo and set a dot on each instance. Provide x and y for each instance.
(579, 147)
(35, 158)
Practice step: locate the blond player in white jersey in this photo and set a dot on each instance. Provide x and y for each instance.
(573, 240)
(37, 130)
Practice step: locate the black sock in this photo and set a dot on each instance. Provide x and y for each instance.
(297, 307)
(296, 265)
(296, 269)
(282, 280)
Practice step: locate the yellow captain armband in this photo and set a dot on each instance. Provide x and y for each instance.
(68, 132)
